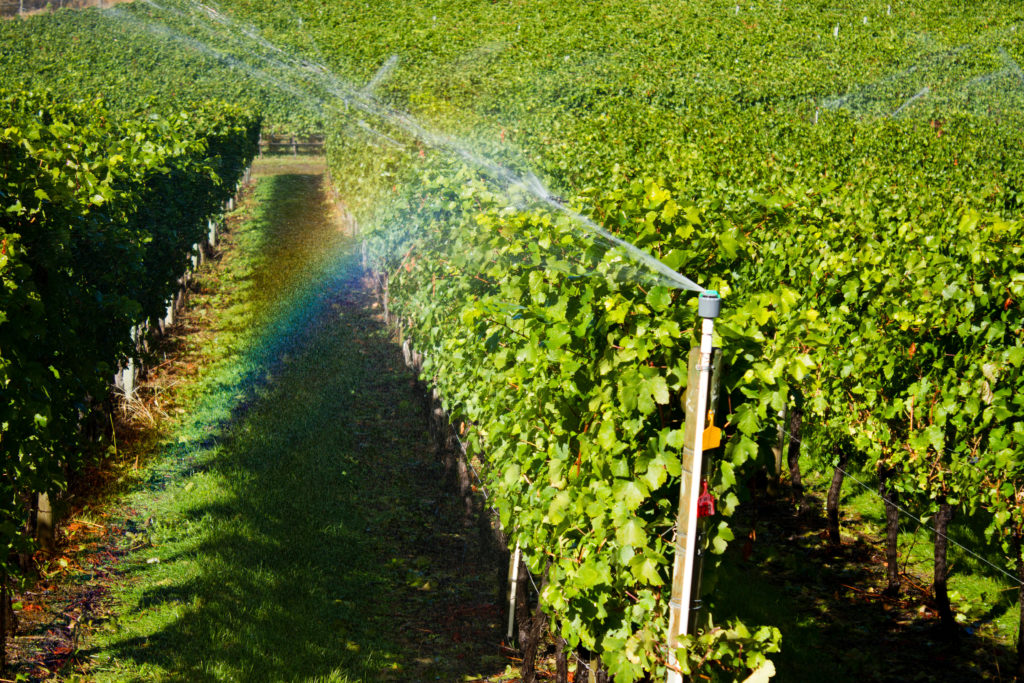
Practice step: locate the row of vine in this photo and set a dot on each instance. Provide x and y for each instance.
(99, 212)
(866, 270)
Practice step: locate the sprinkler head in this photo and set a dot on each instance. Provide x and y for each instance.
(709, 304)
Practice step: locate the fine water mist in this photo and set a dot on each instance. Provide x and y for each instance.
(981, 78)
(316, 85)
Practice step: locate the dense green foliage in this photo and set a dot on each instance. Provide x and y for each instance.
(572, 372)
(847, 174)
(99, 216)
(132, 61)
(859, 265)
(856, 256)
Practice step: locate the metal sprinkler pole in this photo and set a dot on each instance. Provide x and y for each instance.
(683, 569)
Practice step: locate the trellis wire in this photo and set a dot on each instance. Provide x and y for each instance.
(918, 519)
(938, 533)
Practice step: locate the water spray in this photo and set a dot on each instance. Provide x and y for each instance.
(382, 73)
(320, 80)
(1011, 63)
(383, 136)
(921, 93)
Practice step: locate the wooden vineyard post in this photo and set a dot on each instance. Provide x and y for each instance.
(711, 439)
(686, 571)
(44, 524)
(778, 448)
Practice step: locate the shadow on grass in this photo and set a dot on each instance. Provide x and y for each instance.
(827, 603)
(965, 531)
(309, 536)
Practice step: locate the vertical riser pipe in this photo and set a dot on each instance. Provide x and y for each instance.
(683, 570)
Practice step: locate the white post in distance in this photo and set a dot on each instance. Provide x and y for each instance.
(516, 557)
(132, 370)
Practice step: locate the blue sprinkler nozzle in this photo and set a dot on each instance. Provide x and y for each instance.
(709, 304)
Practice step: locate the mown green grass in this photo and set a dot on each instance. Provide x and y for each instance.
(293, 526)
(984, 598)
(826, 601)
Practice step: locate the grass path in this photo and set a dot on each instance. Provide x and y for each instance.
(294, 525)
(829, 602)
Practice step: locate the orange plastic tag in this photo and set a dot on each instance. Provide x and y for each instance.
(712, 438)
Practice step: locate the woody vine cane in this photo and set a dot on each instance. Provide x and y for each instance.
(700, 435)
